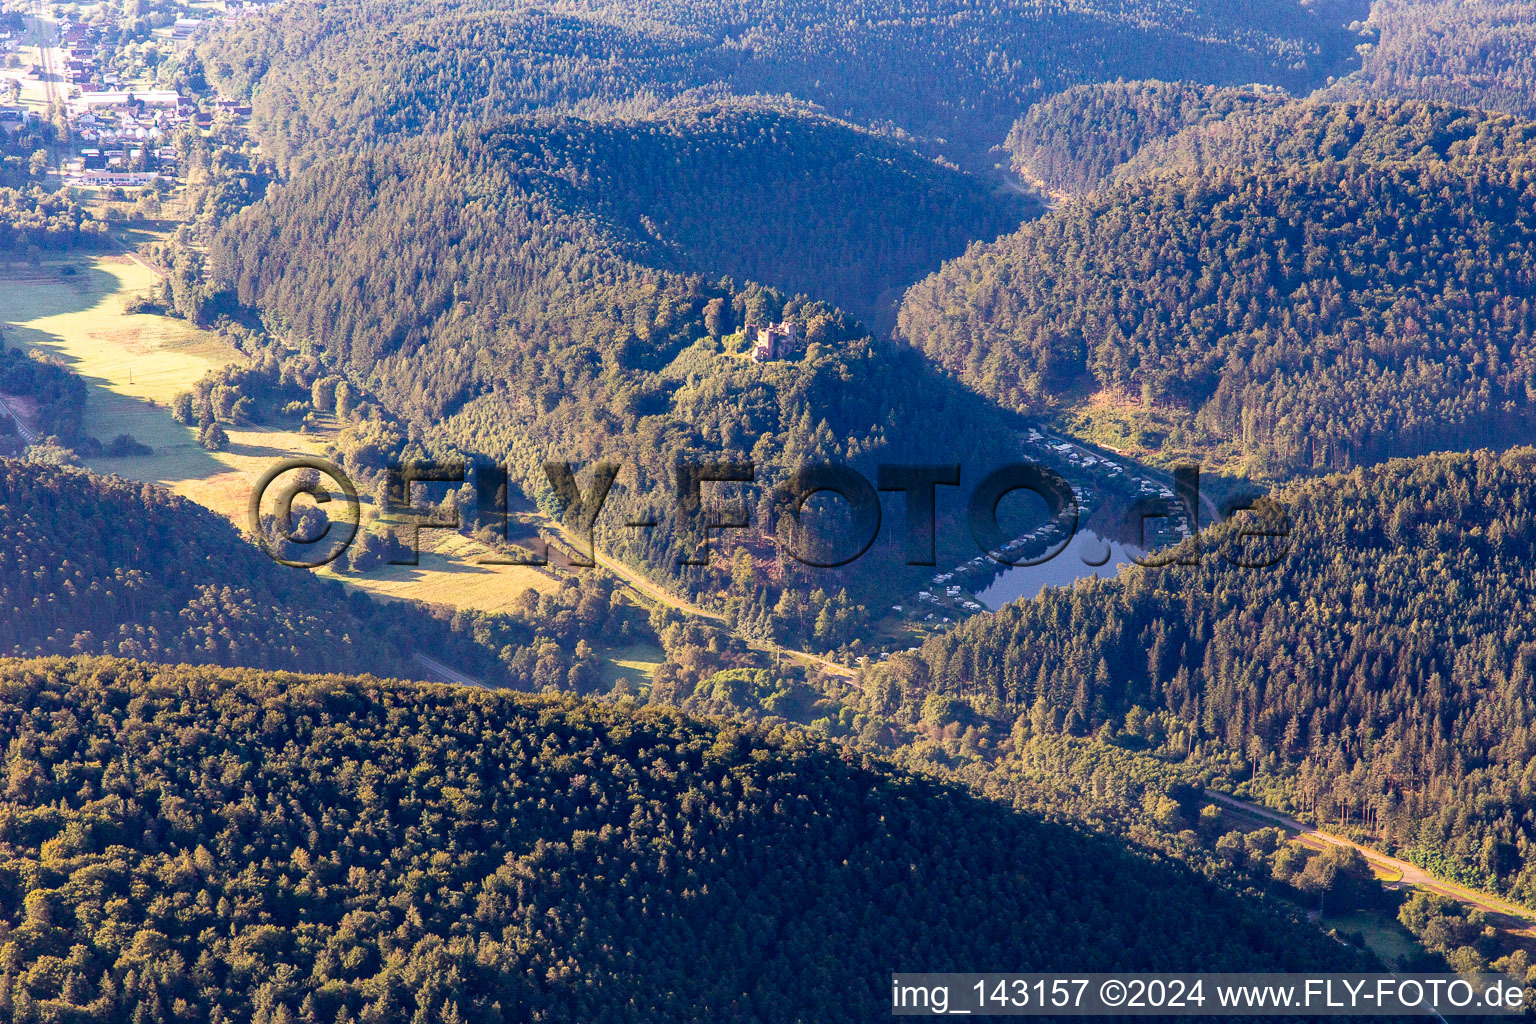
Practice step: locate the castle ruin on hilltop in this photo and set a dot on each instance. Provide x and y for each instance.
(775, 341)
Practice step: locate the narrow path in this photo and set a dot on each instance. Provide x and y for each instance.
(133, 255)
(652, 590)
(1412, 875)
(666, 597)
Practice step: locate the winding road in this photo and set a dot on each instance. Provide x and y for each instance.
(665, 597)
(662, 596)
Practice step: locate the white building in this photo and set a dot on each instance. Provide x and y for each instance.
(123, 98)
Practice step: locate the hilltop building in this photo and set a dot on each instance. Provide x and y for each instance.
(775, 341)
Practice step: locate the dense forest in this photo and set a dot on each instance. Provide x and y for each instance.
(760, 193)
(1370, 131)
(751, 192)
(1479, 54)
(538, 233)
(50, 389)
(528, 231)
(1074, 140)
(1361, 296)
(1379, 675)
(476, 250)
(185, 843)
(30, 217)
(1089, 137)
(24, 153)
(950, 75)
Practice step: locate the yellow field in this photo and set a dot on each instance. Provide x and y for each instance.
(135, 364)
(449, 573)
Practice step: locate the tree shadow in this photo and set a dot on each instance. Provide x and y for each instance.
(257, 451)
(73, 285)
(32, 293)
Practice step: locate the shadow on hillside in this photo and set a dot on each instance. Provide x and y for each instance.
(257, 451)
(54, 288)
(430, 565)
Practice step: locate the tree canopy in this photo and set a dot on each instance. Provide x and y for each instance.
(1363, 292)
(185, 843)
(1380, 673)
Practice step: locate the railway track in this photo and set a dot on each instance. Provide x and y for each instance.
(48, 68)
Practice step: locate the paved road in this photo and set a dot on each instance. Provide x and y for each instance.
(133, 255)
(21, 428)
(445, 673)
(1412, 874)
(660, 594)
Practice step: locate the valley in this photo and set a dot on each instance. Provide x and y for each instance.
(813, 257)
(135, 364)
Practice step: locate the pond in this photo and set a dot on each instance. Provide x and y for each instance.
(1087, 554)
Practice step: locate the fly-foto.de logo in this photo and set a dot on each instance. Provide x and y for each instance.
(710, 499)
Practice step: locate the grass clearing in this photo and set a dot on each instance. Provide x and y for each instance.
(135, 364)
(1152, 435)
(1385, 873)
(1383, 935)
(450, 573)
(633, 661)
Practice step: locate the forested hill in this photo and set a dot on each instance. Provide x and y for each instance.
(762, 193)
(477, 251)
(1481, 54)
(437, 853)
(754, 192)
(1319, 311)
(1074, 140)
(513, 224)
(1368, 131)
(167, 580)
(506, 299)
(1093, 136)
(951, 73)
(1382, 673)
